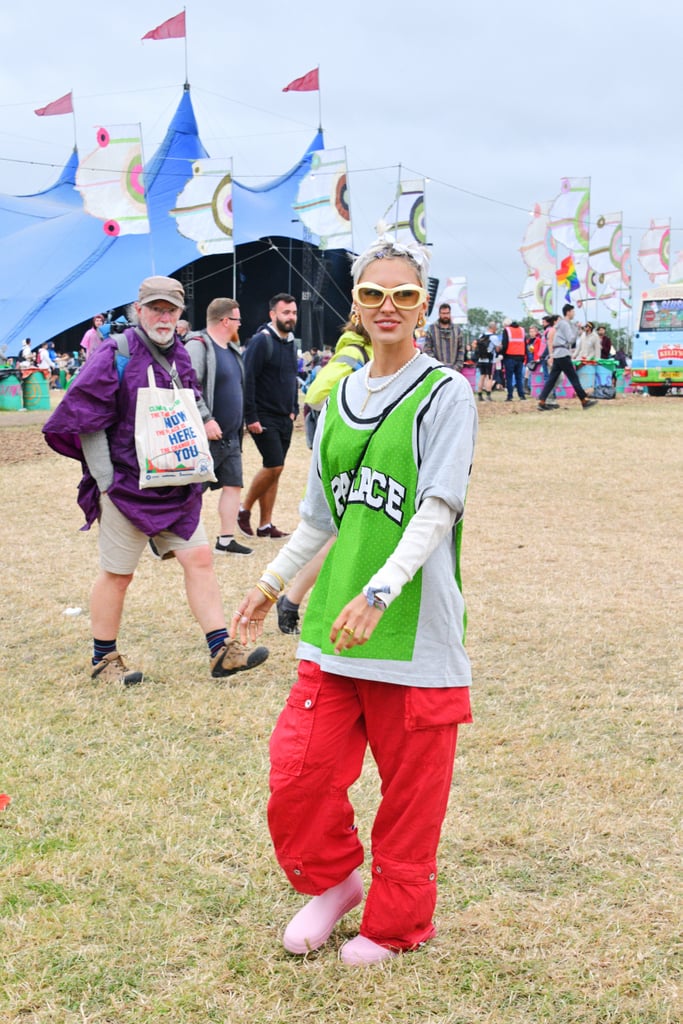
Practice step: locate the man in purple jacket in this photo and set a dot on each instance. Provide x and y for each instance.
(95, 423)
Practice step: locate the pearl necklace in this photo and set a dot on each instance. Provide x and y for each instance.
(387, 382)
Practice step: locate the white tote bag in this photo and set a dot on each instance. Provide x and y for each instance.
(170, 440)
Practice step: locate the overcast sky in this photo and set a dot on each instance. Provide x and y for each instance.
(493, 101)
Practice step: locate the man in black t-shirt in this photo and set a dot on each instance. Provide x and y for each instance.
(271, 404)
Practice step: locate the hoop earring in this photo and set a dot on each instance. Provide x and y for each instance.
(421, 320)
(355, 319)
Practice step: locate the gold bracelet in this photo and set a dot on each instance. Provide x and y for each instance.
(266, 593)
(269, 587)
(283, 585)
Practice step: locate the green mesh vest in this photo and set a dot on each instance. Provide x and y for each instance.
(371, 510)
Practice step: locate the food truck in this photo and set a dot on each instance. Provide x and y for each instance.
(657, 361)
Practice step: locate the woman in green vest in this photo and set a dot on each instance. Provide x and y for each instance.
(382, 661)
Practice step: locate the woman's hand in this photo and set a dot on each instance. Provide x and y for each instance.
(355, 624)
(249, 617)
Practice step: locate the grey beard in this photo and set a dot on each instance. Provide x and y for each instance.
(161, 345)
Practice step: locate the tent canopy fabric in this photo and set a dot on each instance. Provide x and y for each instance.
(17, 212)
(58, 267)
(267, 209)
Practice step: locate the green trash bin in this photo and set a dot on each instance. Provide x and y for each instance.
(36, 390)
(11, 397)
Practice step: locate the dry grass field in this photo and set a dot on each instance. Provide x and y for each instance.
(137, 882)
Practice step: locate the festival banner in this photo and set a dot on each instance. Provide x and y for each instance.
(405, 219)
(605, 244)
(455, 294)
(110, 180)
(203, 210)
(537, 296)
(653, 254)
(322, 203)
(570, 214)
(538, 248)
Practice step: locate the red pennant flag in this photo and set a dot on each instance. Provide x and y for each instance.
(174, 28)
(64, 105)
(307, 83)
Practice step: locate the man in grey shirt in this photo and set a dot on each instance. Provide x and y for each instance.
(560, 360)
(444, 340)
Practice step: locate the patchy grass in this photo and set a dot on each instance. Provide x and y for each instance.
(138, 882)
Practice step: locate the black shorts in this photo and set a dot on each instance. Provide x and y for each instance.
(227, 462)
(484, 367)
(274, 442)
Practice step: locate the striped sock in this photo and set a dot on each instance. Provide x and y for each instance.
(102, 648)
(216, 639)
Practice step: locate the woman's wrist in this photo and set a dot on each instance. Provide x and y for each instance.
(273, 581)
(267, 592)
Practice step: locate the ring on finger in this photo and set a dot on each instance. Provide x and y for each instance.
(348, 630)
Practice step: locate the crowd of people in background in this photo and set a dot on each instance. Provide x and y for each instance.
(507, 356)
(504, 355)
(59, 368)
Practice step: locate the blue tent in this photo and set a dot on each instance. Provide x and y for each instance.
(18, 212)
(58, 268)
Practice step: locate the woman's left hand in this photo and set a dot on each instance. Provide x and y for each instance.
(354, 625)
(247, 622)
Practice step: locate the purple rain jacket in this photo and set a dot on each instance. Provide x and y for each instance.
(97, 400)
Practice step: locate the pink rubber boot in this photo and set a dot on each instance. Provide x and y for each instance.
(364, 952)
(313, 925)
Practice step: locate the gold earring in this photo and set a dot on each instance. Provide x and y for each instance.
(421, 320)
(355, 319)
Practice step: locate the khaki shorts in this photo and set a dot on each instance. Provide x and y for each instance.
(121, 543)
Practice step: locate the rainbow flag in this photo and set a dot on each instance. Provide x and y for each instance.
(567, 276)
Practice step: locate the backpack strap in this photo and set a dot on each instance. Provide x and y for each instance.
(269, 343)
(355, 364)
(199, 336)
(122, 354)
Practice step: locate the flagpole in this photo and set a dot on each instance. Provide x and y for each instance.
(398, 200)
(187, 77)
(73, 115)
(348, 189)
(234, 247)
(320, 103)
(144, 188)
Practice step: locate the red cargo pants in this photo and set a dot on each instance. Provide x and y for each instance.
(317, 750)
